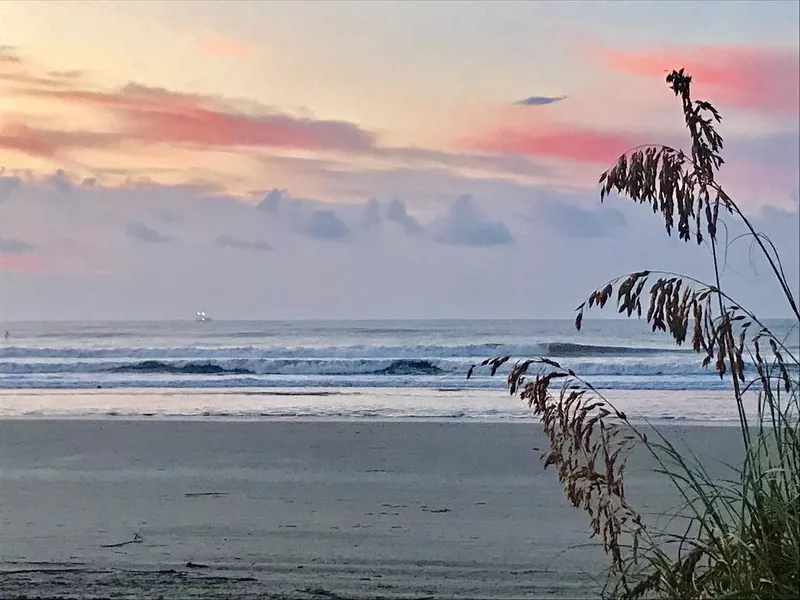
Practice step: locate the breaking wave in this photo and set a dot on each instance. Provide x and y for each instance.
(554, 349)
(429, 366)
(243, 367)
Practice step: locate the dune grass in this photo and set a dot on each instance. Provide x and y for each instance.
(738, 538)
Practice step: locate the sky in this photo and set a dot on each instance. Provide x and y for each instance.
(289, 160)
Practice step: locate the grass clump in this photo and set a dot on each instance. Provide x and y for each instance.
(741, 536)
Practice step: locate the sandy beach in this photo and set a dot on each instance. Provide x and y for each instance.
(297, 509)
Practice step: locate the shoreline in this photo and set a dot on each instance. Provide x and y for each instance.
(231, 418)
(332, 404)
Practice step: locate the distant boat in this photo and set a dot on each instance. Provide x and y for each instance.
(203, 317)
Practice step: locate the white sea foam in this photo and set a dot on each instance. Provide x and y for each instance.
(356, 356)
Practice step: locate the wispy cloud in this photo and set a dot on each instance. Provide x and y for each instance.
(540, 100)
(156, 115)
(50, 143)
(149, 115)
(133, 118)
(557, 141)
(15, 72)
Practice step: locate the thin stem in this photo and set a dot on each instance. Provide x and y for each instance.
(729, 349)
(778, 274)
(729, 203)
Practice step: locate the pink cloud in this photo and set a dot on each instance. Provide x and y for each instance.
(569, 142)
(214, 44)
(49, 143)
(24, 263)
(757, 79)
(156, 115)
(142, 115)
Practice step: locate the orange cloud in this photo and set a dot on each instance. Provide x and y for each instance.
(218, 45)
(758, 79)
(573, 143)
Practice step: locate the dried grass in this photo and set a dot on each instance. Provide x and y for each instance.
(742, 538)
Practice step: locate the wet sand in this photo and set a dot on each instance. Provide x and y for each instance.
(297, 509)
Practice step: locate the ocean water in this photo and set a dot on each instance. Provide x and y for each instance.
(344, 369)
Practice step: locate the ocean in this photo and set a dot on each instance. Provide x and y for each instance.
(341, 369)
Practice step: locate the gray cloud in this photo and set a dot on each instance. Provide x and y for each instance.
(371, 215)
(540, 100)
(7, 187)
(61, 182)
(112, 276)
(397, 213)
(465, 225)
(781, 148)
(575, 221)
(14, 246)
(292, 212)
(143, 233)
(782, 226)
(325, 225)
(227, 241)
(272, 201)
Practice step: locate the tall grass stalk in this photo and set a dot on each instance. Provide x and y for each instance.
(741, 536)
